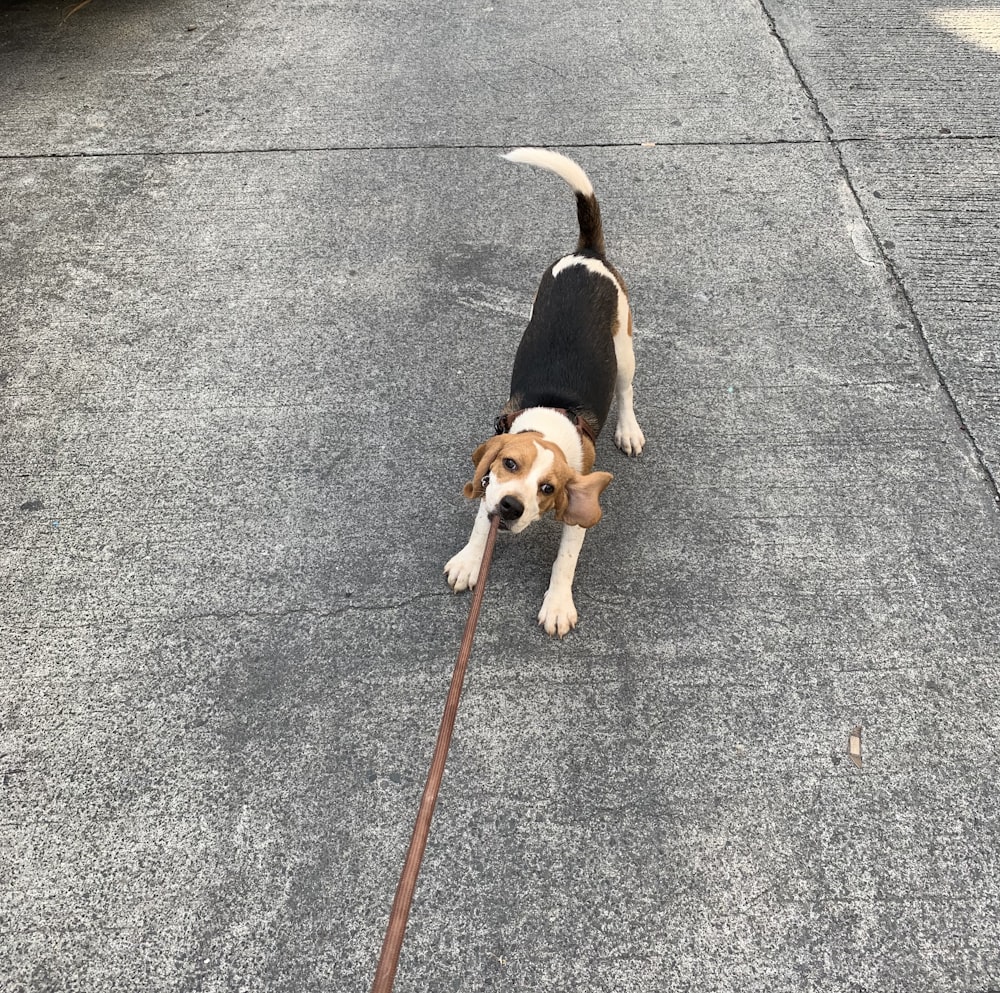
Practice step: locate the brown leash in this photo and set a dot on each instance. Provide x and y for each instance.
(388, 961)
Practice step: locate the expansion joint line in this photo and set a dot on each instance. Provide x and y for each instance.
(364, 149)
(895, 279)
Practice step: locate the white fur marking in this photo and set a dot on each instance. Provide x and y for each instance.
(556, 428)
(594, 265)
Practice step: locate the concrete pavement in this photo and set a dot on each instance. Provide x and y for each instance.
(263, 277)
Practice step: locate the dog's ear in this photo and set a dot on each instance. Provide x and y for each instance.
(483, 458)
(579, 503)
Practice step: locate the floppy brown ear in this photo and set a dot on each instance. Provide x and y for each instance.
(581, 505)
(483, 458)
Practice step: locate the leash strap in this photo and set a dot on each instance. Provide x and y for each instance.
(385, 973)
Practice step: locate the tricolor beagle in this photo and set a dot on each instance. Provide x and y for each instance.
(575, 354)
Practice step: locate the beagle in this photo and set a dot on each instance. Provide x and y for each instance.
(576, 353)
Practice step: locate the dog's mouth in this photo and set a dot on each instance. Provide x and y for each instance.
(504, 525)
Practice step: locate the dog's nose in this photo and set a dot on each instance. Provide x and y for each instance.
(510, 508)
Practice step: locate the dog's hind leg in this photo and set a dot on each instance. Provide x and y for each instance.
(628, 435)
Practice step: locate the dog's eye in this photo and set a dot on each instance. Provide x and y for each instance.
(485, 481)
(510, 465)
(547, 488)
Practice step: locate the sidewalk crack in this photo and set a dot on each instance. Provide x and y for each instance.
(895, 279)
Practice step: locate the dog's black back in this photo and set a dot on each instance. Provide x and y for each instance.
(567, 355)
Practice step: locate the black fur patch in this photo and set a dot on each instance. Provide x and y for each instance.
(588, 216)
(567, 355)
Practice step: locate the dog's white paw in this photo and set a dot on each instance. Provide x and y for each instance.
(628, 436)
(558, 614)
(462, 569)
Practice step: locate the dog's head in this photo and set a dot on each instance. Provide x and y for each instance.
(522, 476)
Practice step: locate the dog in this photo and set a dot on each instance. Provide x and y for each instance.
(575, 355)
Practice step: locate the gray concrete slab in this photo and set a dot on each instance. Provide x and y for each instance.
(935, 206)
(228, 637)
(909, 93)
(191, 76)
(903, 69)
(238, 395)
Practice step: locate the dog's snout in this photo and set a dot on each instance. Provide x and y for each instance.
(510, 508)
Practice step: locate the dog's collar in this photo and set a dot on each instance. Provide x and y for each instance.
(505, 422)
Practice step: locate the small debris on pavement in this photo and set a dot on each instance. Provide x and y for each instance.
(854, 745)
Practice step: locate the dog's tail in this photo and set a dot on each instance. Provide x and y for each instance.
(587, 211)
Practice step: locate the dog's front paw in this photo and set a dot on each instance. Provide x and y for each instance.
(462, 569)
(558, 613)
(628, 436)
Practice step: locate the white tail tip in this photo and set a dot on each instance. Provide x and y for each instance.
(562, 166)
